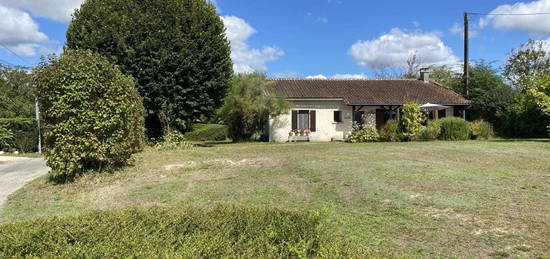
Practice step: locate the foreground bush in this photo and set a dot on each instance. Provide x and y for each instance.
(25, 133)
(92, 114)
(207, 132)
(364, 135)
(454, 128)
(221, 232)
(481, 130)
(390, 132)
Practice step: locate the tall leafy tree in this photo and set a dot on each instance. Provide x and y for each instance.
(247, 108)
(528, 62)
(175, 49)
(16, 93)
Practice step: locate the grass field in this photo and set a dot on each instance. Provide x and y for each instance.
(436, 199)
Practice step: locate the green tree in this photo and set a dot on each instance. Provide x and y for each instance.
(92, 114)
(175, 49)
(539, 91)
(528, 62)
(16, 93)
(247, 108)
(445, 76)
(411, 121)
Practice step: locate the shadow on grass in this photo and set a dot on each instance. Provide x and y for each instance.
(541, 140)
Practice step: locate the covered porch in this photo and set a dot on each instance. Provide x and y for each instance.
(376, 116)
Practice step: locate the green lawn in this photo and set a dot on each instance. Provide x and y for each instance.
(464, 199)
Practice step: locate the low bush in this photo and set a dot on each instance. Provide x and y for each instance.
(207, 132)
(390, 131)
(174, 140)
(454, 128)
(219, 232)
(481, 130)
(25, 133)
(92, 114)
(431, 131)
(364, 135)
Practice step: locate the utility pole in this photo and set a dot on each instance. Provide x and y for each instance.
(37, 111)
(466, 56)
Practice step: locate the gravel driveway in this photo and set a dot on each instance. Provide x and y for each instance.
(16, 171)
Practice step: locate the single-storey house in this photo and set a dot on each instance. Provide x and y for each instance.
(328, 108)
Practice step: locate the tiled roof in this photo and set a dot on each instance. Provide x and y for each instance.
(366, 92)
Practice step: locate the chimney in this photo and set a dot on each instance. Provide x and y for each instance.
(425, 75)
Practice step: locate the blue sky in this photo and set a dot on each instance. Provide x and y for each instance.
(325, 38)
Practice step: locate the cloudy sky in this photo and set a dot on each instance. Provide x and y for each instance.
(315, 38)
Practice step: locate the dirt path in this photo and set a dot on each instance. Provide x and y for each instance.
(16, 172)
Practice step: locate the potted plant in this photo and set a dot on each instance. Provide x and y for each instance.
(307, 132)
(291, 134)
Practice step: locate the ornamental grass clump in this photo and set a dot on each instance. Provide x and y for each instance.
(92, 114)
(481, 129)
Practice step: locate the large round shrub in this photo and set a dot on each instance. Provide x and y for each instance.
(92, 114)
(454, 128)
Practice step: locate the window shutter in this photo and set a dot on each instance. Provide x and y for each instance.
(294, 120)
(312, 121)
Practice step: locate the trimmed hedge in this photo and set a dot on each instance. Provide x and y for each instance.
(219, 232)
(454, 128)
(207, 132)
(24, 134)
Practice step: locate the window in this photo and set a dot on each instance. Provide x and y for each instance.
(304, 119)
(337, 116)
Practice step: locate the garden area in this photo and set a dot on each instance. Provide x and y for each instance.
(434, 199)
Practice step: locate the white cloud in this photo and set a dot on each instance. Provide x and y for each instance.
(60, 10)
(458, 30)
(316, 77)
(339, 76)
(392, 50)
(246, 59)
(350, 76)
(536, 24)
(20, 32)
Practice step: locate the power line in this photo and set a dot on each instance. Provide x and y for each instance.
(12, 52)
(497, 14)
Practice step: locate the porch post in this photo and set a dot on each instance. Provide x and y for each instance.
(352, 114)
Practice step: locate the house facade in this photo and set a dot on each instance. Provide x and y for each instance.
(328, 109)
